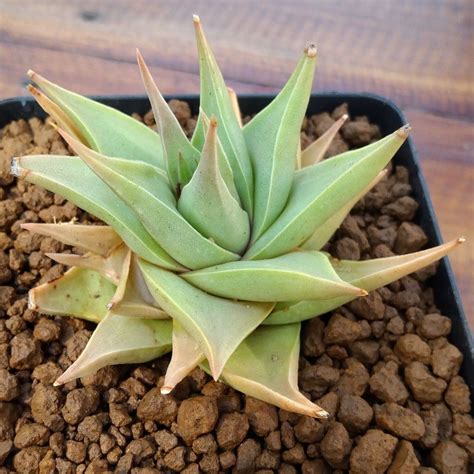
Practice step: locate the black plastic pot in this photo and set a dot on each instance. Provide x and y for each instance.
(380, 111)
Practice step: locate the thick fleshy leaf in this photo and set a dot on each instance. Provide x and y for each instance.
(120, 340)
(99, 239)
(272, 138)
(321, 190)
(366, 274)
(208, 205)
(218, 325)
(325, 230)
(104, 128)
(215, 101)
(79, 292)
(73, 179)
(176, 145)
(186, 355)
(132, 297)
(109, 267)
(295, 276)
(314, 153)
(224, 165)
(265, 366)
(155, 204)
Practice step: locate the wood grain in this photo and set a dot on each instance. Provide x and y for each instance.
(419, 54)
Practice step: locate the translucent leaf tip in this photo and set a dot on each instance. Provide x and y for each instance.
(311, 50)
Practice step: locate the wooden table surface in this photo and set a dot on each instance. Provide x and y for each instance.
(419, 54)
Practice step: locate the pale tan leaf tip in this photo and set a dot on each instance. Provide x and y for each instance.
(165, 390)
(311, 50)
(404, 131)
(16, 169)
(30, 73)
(32, 300)
(322, 413)
(196, 19)
(461, 240)
(344, 117)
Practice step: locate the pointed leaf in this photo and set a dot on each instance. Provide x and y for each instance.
(109, 267)
(265, 366)
(326, 230)
(321, 190)
(104, 128)
(215, 101)
(219, 325)
(120, 340)
(186, 355)
(71, 178)
(366, 274)
(208, 205)
(315, 152)
(176, 145)
(295, 276)
(224, 165)
(99, 239)
(132, 297)
(79, 292)
(272, 139)
(155, 205)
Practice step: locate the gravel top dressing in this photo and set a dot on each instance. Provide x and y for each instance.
(382, 366)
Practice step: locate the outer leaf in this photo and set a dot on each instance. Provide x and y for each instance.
(185, 357)
(175, 143)
(367, 274)
(132, 297)
(215, 101)
(321, 190)
(79, 292)
(120, 340)
(272, 139)
(155, 205)
(265, 366)
(109, 267)
(219, 325)
(325, 231)
(99, 239)
(208, 205)
(295, 276)
(315, 152)
(71, 178)
(104, 128)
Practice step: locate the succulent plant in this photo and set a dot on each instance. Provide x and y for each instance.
(212, 247)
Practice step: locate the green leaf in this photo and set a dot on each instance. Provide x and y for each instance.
(224, 165)
(207, 204)
(71, 178)
(295, 276)
(217, 324)
(315, 152)
(120, 340)
(132, 297)
(366, 274)
(109, 267)
(79, 292)
(176, 145)
(185, 357)
(326, 230)
(103, 128)
(155, 205)
(215, 101)
(99, 239)
(272, 139)
(321, 190)
(265, 366)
